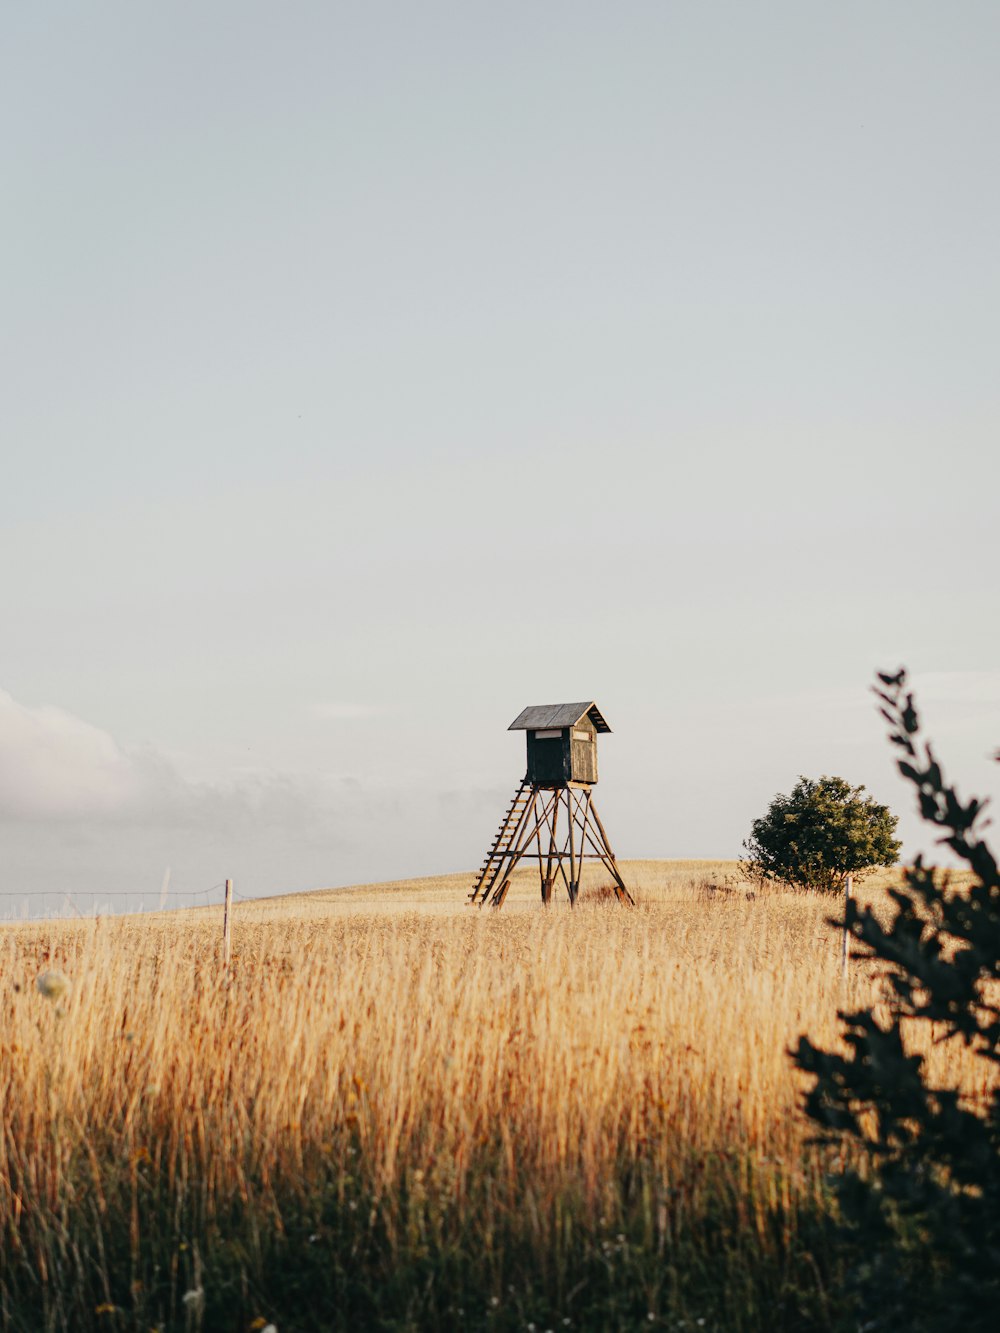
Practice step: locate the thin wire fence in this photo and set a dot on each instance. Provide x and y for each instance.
(58, 904)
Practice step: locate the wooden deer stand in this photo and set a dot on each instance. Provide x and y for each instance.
(552, 818)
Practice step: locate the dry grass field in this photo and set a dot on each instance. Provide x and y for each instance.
(397, 1111)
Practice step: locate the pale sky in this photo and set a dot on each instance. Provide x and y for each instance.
(372, 371)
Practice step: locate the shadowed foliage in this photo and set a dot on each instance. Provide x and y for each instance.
(922, 1207)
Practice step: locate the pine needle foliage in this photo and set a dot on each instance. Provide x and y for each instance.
(922, 1208)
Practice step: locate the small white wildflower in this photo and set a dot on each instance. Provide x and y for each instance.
(195, 1299)
(54, 985)
(269, 1328)
(494, 1300)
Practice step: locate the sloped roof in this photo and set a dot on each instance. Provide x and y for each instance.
(540, 717)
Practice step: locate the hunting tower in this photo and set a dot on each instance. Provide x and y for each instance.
(552, 818)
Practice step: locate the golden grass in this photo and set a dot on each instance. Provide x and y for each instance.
(431, 1069)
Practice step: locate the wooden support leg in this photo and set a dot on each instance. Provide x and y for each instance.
(574, 869)
(623, 894)
(538, 842)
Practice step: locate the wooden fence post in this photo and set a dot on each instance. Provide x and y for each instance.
(845, 954)
(227, 923)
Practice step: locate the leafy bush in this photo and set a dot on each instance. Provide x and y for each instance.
(922, 1207)
(820, 834)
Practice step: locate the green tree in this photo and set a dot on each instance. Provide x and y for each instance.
(921, 1203)
(823, 832)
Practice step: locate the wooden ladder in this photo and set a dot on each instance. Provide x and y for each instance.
(502, 843)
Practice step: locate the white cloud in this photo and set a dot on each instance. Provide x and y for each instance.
(86, 818)
(57, 768)
(54, 765)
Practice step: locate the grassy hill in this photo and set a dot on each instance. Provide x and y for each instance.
(396, 1111)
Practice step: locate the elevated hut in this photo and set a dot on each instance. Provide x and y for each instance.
(552, 818)
(562, 742)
